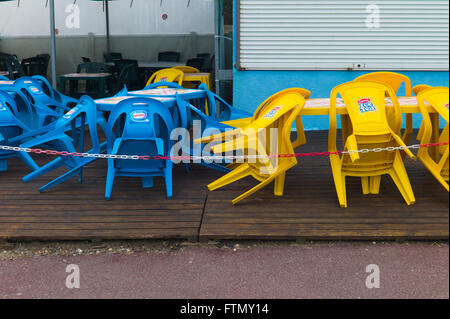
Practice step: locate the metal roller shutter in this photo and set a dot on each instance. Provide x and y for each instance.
(334, 34)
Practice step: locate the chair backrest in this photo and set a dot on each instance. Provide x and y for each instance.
(145, 125)
(218, 108)
(35, 66)
(187, 69)
(366, 106)
(85, 59)
(438, 98)
(10, 125)
(419, 88)
(112, 56)
(131, 74)
(197, 63)
(167, 75)
(14, 67)
(392, 79)
(169, 56)
(93, 67)
(26, 112)
(303, 92)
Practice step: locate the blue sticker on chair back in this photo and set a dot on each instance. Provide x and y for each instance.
(139, 116)
(366, 105)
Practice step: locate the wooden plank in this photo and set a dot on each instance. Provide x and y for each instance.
(309, 208)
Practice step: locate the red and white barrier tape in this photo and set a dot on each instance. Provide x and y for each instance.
(210, 158)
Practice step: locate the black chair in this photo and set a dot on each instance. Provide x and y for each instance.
(124, 79)
(14, 67)
(208, 64)
(91, 67)
(169, 56)
(197, 63)
(46, 56)
(85, 59)
(35, 66)
(134, 79)
(112, 56)
(204, 55)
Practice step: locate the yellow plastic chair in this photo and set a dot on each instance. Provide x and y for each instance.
(167, 75)
(438, 97)
(416, 90)
(394, 80)
(186, 69)
(280, 113)
(365, 103)
(301, 137)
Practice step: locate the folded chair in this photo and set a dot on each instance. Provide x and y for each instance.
(301, 137)
(365, 103)
(438, 98)
(188, 115)
(10, 127)
(85, 113)
(167, 75)
(219, 109)
(394, 80)
(258, 138)
(139, 126)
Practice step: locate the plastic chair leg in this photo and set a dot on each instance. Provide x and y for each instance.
(365, 185)
(375, 184)
(26, 158)
(339, 181)
(111, 175)
(44, 169)
(73, 172)
(400, 177)
(253, 190)
(168, 182)
(238, 173)
(279, 184)
(3, 165)
(147, 182)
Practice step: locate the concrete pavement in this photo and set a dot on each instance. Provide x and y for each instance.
(312, 270)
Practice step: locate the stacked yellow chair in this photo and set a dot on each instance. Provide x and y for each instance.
(301, 138)
(251, 138)
(394, 80)
(365, 103)
(188, 69)
(438, 98)
(167, 75)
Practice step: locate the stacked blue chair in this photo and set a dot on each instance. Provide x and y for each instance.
(10, 127)
(47, 109)
(219, 109)
(85, 112)
(139, 126)
(3, 78)
(54, 94)
(209, 126)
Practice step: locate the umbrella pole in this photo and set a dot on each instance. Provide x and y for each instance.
(53, 42)
(107, 26)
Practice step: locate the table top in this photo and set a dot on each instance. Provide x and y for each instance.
(321, 106)
(107, 104)
(86, 75)
(6, 82)
(166, 92)
(155, 64)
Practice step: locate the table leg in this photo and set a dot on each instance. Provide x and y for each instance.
(102, 87)
(62, 85)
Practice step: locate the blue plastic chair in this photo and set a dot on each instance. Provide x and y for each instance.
(26, 112)
(47, 109)
(142, 127)
(10, 127)
(85, 112)
(170, 85)
(53, 93)
(209, 126)
(219, 109)
(4, 78)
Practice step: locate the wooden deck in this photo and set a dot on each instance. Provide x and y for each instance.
(309, 209)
